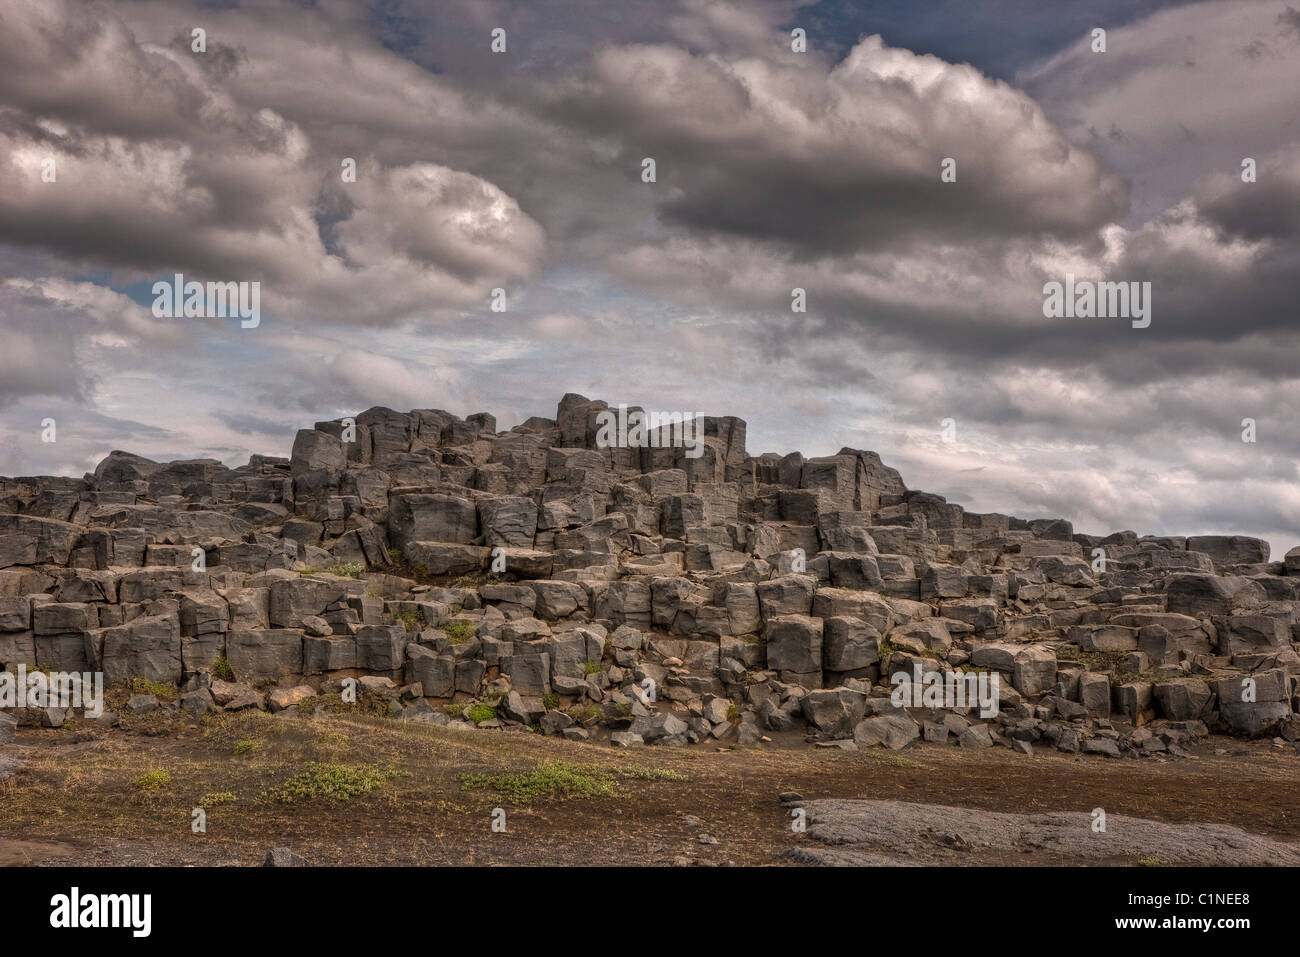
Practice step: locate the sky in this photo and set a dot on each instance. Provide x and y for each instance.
(924, 336)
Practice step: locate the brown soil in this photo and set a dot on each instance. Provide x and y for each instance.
(75, 799)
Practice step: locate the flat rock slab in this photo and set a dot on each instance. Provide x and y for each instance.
(8, 765)
(897, 833)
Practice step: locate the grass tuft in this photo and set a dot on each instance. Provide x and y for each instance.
(459, 632)
(549, 779)
(216, 799)
(333, 782)
(154, 780)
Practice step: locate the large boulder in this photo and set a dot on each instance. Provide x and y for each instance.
(929, 635)
(435, 673)
(265, 653)
(509, 521)
(894, 730)
(28, 540)
(432, 517)
(835, 711)
(292, 599)
(1183, 699)
(1255, 705)
(1200, 596)
(794, 644)
(849, 644)
(787, 595)
(1230, 549)
(147, 647)
(660, 728)
(381, 648)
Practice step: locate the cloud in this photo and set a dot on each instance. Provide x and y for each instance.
(198, 182)
(775, 170)
(841, 158)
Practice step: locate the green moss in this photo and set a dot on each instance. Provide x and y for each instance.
(153, 780)
(551, 779)
(217, 798)
(459, 632)
(333, 782)
(639, 772)
(481, 712)
(411, 618)
(886, 652)
(584, 713)
(344, 570)
(591, 668)
(159, 690)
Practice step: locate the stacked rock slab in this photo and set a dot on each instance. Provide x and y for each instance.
(660, 595)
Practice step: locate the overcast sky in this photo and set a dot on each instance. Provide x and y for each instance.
(775, 170)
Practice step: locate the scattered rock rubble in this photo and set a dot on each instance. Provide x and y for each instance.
(648, 596)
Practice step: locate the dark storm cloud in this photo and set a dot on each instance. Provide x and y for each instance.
(775, 170)
(839, 158)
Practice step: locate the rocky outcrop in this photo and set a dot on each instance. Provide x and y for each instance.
(660, 592)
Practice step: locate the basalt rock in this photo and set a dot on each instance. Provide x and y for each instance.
(666, 587)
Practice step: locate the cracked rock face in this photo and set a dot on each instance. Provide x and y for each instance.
(668, 590)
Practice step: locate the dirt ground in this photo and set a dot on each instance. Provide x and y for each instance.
(85, 798)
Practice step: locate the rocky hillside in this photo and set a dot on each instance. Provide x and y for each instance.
(482, 579)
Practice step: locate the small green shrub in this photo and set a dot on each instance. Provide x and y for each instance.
(481, 712)
(459, 632)
(411, 618)
(217, 798)
(221, 669)
(886, 652)
(159, 690)
(584, 712)
(344, 570)
(334, 782)
(153, 780)
(638, 772)
(555, 779)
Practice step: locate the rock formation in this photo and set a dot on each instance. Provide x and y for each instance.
(478, 578)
